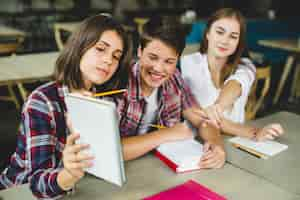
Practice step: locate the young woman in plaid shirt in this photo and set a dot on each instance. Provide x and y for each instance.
(46, 154)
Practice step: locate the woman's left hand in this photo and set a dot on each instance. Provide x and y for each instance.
(269, 132)
(214, 114)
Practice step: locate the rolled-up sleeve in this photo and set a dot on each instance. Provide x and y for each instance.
(42, 165)
(245, 75)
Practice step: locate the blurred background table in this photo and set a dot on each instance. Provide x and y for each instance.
(292, 47)
(282, 169)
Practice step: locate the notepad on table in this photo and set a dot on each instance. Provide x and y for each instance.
(190, 190)
(263, 149)
(181, 156)
(97, 123)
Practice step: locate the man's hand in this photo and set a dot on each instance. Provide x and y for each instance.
(214, 114)
(214, 156)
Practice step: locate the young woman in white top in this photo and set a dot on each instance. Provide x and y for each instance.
(218, 63)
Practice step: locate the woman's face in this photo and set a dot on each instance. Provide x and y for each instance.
(100, 62)
(223, 37)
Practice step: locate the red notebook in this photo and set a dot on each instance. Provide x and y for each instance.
(181, 156)
(189, 190)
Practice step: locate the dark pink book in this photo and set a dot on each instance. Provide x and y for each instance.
(189, 190)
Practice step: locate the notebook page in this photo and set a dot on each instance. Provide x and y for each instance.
(269, 147)
(185, 153)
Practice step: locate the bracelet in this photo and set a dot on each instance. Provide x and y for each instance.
(71, 191)
(254, 133)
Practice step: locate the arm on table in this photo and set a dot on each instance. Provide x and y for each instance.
(270, 131)
(214, 153)
(237, 85)
(136, 146)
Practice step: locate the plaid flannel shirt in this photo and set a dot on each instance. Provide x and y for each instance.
(174, 96)
(40, 142)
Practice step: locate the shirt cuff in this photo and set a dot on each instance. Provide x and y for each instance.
(54, 184)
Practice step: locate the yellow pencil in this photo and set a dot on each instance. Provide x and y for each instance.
(101, 94)
(251, 151)
(157, 126)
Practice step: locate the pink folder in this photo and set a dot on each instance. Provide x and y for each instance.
(189, 190)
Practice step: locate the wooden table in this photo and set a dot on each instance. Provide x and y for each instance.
(11, 32)
(27, 68)
(148, 175)
(283, 169)
(290, 45)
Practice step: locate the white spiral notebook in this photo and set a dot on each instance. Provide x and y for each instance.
(181, 156)
(97, 123)
(263, 149)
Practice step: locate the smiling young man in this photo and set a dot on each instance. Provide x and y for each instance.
(157, 94)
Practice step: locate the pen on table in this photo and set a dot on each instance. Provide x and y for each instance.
(157, 126)
(251, 151)
(109, 93)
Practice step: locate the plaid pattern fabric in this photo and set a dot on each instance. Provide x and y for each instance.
(40, 142)
(174, 96)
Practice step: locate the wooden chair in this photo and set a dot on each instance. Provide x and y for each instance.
(140, 23)
(256, 98)
(59, 27)
(295, 89)
(10, 48)
(57, 36)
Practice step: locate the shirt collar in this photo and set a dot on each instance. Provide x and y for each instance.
(134, 89)
(63, 90)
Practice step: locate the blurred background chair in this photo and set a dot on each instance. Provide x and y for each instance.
(258, 91)
(58, 34)
(295, 88)
(140, 21)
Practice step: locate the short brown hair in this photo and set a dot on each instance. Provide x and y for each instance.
(235, 58)
(166, 29)
(67, 69)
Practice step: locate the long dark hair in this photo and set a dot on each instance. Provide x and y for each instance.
(67, 69)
